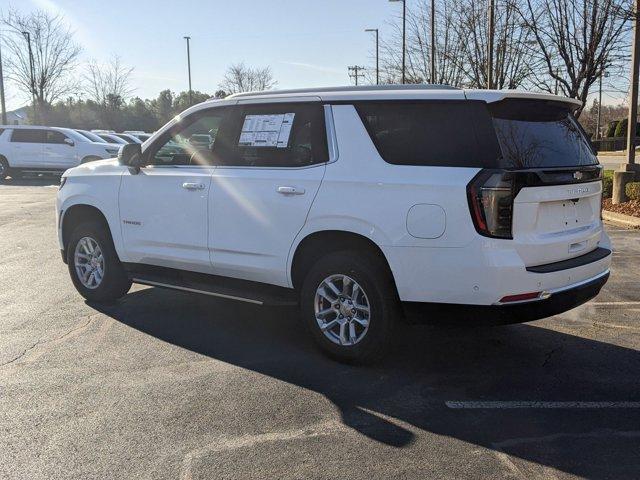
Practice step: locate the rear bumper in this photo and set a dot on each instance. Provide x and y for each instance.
(558, 302)
(486, 271)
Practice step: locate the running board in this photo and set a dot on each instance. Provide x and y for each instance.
(221, 287)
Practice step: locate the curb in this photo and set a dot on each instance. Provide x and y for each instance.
(621, 219)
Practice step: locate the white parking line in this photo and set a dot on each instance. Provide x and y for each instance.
(498, 405)
(610, 304)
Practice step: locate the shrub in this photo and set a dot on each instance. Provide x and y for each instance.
(611, 129)
(632, 189)
(607, 184)
(621, 128)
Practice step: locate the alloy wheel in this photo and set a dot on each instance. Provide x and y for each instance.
(89, 262)
(342, 310)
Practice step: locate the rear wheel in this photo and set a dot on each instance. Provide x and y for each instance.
(4, 168)
(349, 304)
(94, 266)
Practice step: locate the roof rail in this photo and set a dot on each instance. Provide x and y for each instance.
(351, 88)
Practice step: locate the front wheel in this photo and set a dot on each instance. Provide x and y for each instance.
(349, 304)
(94, 266)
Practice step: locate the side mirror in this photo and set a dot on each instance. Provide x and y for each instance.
(69, 142)
(130, 155)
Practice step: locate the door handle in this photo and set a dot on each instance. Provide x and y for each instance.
(193, 186)
(291, 191)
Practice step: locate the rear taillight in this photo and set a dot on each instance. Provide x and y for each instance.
(490, 196)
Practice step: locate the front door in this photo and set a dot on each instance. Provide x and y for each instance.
(273, 159)
(163, 207)
(59, 150)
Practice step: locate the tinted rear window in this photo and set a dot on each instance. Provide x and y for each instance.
(450, 133)
(28, 135)
(534, 133)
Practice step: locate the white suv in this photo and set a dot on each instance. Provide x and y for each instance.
(362, 205)
(46, 149)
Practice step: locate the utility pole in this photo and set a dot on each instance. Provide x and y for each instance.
(377, 54)
(490, 28)
(354, 72)
(189, 70)
(2, 104)
(27, 36)
(598, 118)
(633, 94)
(404, 38)
(433, 41)
(629, 170)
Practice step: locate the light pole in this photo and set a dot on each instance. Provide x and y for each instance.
(604, 74)
(27, 36)
(404, 37)
(189, 69)
(377, 54)
(433, 41)
(491, 15)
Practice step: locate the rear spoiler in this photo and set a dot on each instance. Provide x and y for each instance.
(491, 96)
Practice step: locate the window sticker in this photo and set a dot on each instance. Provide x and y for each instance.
(266, 130)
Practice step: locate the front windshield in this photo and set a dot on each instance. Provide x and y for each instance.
(91, 136)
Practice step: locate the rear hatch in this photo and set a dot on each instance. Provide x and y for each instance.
(546, 188)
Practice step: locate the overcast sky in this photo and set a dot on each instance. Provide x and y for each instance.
(305, 42)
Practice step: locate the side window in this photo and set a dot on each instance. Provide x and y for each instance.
(53, 136)
(448, 133)
(190, 141)
(28, 135)
(274, 135)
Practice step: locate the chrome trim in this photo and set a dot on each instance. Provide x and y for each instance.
(194, 290)
(545, 294)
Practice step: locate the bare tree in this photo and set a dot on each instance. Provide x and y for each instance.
(576, 40)
(55, 55)
(512, 59)
(240, 78)
(106, 83)
(418, 64)
(461, 45)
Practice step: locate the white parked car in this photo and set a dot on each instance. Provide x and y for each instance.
(362, 205)
(46, 149)
(112, 138)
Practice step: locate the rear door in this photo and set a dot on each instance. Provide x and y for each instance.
(556, 211)
(26, 148)
(272, 160)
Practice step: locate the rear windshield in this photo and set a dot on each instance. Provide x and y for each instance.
(535, 133)
(512, 133)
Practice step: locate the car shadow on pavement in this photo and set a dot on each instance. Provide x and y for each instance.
(408, 392)
(32, 181)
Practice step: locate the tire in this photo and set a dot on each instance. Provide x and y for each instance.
(376, 287)
(4, 168)
(90, 158)
(114, 282)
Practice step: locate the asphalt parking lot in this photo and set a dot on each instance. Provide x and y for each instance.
(171, 385)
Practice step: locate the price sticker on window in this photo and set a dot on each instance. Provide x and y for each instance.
(266, 130)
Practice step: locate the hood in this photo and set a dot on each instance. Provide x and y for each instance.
(92, 168)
